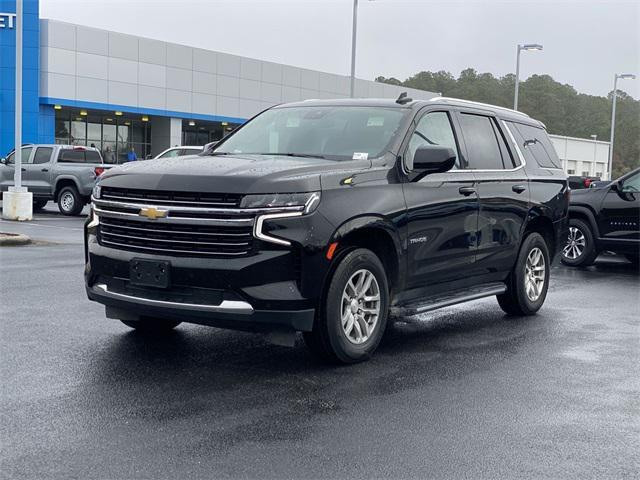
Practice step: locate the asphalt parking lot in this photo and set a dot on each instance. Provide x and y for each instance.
(463, 393)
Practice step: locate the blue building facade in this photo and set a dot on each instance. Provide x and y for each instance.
(37, 120)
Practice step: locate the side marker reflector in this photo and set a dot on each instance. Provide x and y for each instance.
(332, 250)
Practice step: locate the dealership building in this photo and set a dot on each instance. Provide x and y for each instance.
(86, 86)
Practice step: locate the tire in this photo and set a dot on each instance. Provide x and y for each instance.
(39, 204)
(582, 252)
(349, 341)
(69, 201)
(525, 295)
(148, 324)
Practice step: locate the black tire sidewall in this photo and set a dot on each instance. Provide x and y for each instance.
(77, 201)
(587, 255)
(344, 350)
(532, 241)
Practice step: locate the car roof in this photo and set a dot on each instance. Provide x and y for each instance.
(502, 112)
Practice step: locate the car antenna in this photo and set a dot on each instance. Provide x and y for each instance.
(402, 99)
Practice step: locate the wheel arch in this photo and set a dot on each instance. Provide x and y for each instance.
(64, 181)
(543, 225)
(584, 213)
(377, 234)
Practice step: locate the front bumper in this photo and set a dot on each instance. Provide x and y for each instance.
(234, 314)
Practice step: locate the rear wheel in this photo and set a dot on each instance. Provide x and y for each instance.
(39, 204)
(353, 315)
(147, 324)
(580, 248)
(529, 280)
(69, 201)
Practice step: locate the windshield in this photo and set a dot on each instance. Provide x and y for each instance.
(331, 132)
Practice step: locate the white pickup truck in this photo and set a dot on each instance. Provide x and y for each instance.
(62, 173)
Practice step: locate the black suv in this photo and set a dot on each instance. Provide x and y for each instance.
(604, 218)
(327, 217)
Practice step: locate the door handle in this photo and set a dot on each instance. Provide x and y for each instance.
(518, 188)
(44, 170)
(23, 169)
(466, 191)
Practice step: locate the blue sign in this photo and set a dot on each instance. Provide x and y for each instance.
(30, 73)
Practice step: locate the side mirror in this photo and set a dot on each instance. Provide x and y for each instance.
(433, 159)
(3, 161)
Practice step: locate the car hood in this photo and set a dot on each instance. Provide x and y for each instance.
(228, 174)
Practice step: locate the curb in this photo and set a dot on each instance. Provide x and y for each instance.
(13, 239)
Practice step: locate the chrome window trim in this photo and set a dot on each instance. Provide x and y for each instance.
(257, 228)
(227, 306)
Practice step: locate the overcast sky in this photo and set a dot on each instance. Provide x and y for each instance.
(585, 42)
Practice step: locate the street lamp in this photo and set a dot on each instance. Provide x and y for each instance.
(353, 48)
(595, 151)
(528, 47)
(613, 116)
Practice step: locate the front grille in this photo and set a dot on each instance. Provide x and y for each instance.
(175, 239)
(171, 198)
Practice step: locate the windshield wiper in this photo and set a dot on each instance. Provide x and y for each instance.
(303, 155)
(215, 154)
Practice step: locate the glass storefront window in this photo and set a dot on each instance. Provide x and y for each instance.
(78, 132)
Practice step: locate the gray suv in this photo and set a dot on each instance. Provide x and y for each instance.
(62, 173)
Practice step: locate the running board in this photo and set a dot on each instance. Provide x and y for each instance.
(448, 299)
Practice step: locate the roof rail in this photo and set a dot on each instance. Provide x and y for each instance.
(470, 102)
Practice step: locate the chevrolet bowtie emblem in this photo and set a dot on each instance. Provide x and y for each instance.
(152, 213)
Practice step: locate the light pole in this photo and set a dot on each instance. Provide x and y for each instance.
(353, 48)
(595, 151)
(613, 117)
(528, 47)
(17, 174)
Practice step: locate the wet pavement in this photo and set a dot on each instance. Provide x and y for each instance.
(465, 392)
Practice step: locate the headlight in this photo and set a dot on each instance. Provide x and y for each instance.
(96, 191)
(306, 203)
(309, 201)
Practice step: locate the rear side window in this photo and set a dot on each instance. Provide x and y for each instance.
(43, 155)
(79, 156)
(482, 141)
(535, 145)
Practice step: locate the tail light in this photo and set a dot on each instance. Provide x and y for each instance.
(98, 171)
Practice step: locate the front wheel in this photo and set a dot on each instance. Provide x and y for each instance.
(353, 315)
(580, 248)
(147, 324)
(529, 280)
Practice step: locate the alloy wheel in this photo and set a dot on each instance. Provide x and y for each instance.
(67, 201)
(360, 306)
(535, 274)
(576, 244)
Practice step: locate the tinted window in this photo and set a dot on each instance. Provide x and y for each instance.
(508, 160)
(535, 145)
(481, 141)
(26, 153)
(434, 128)
(43, 155)
(71, 156)
(91, 156)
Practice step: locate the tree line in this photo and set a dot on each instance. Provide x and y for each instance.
(559, 106)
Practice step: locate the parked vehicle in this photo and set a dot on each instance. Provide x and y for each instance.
(62, 173)
(328, 216)
(577, 182)
(179, 151)
(606, 218)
